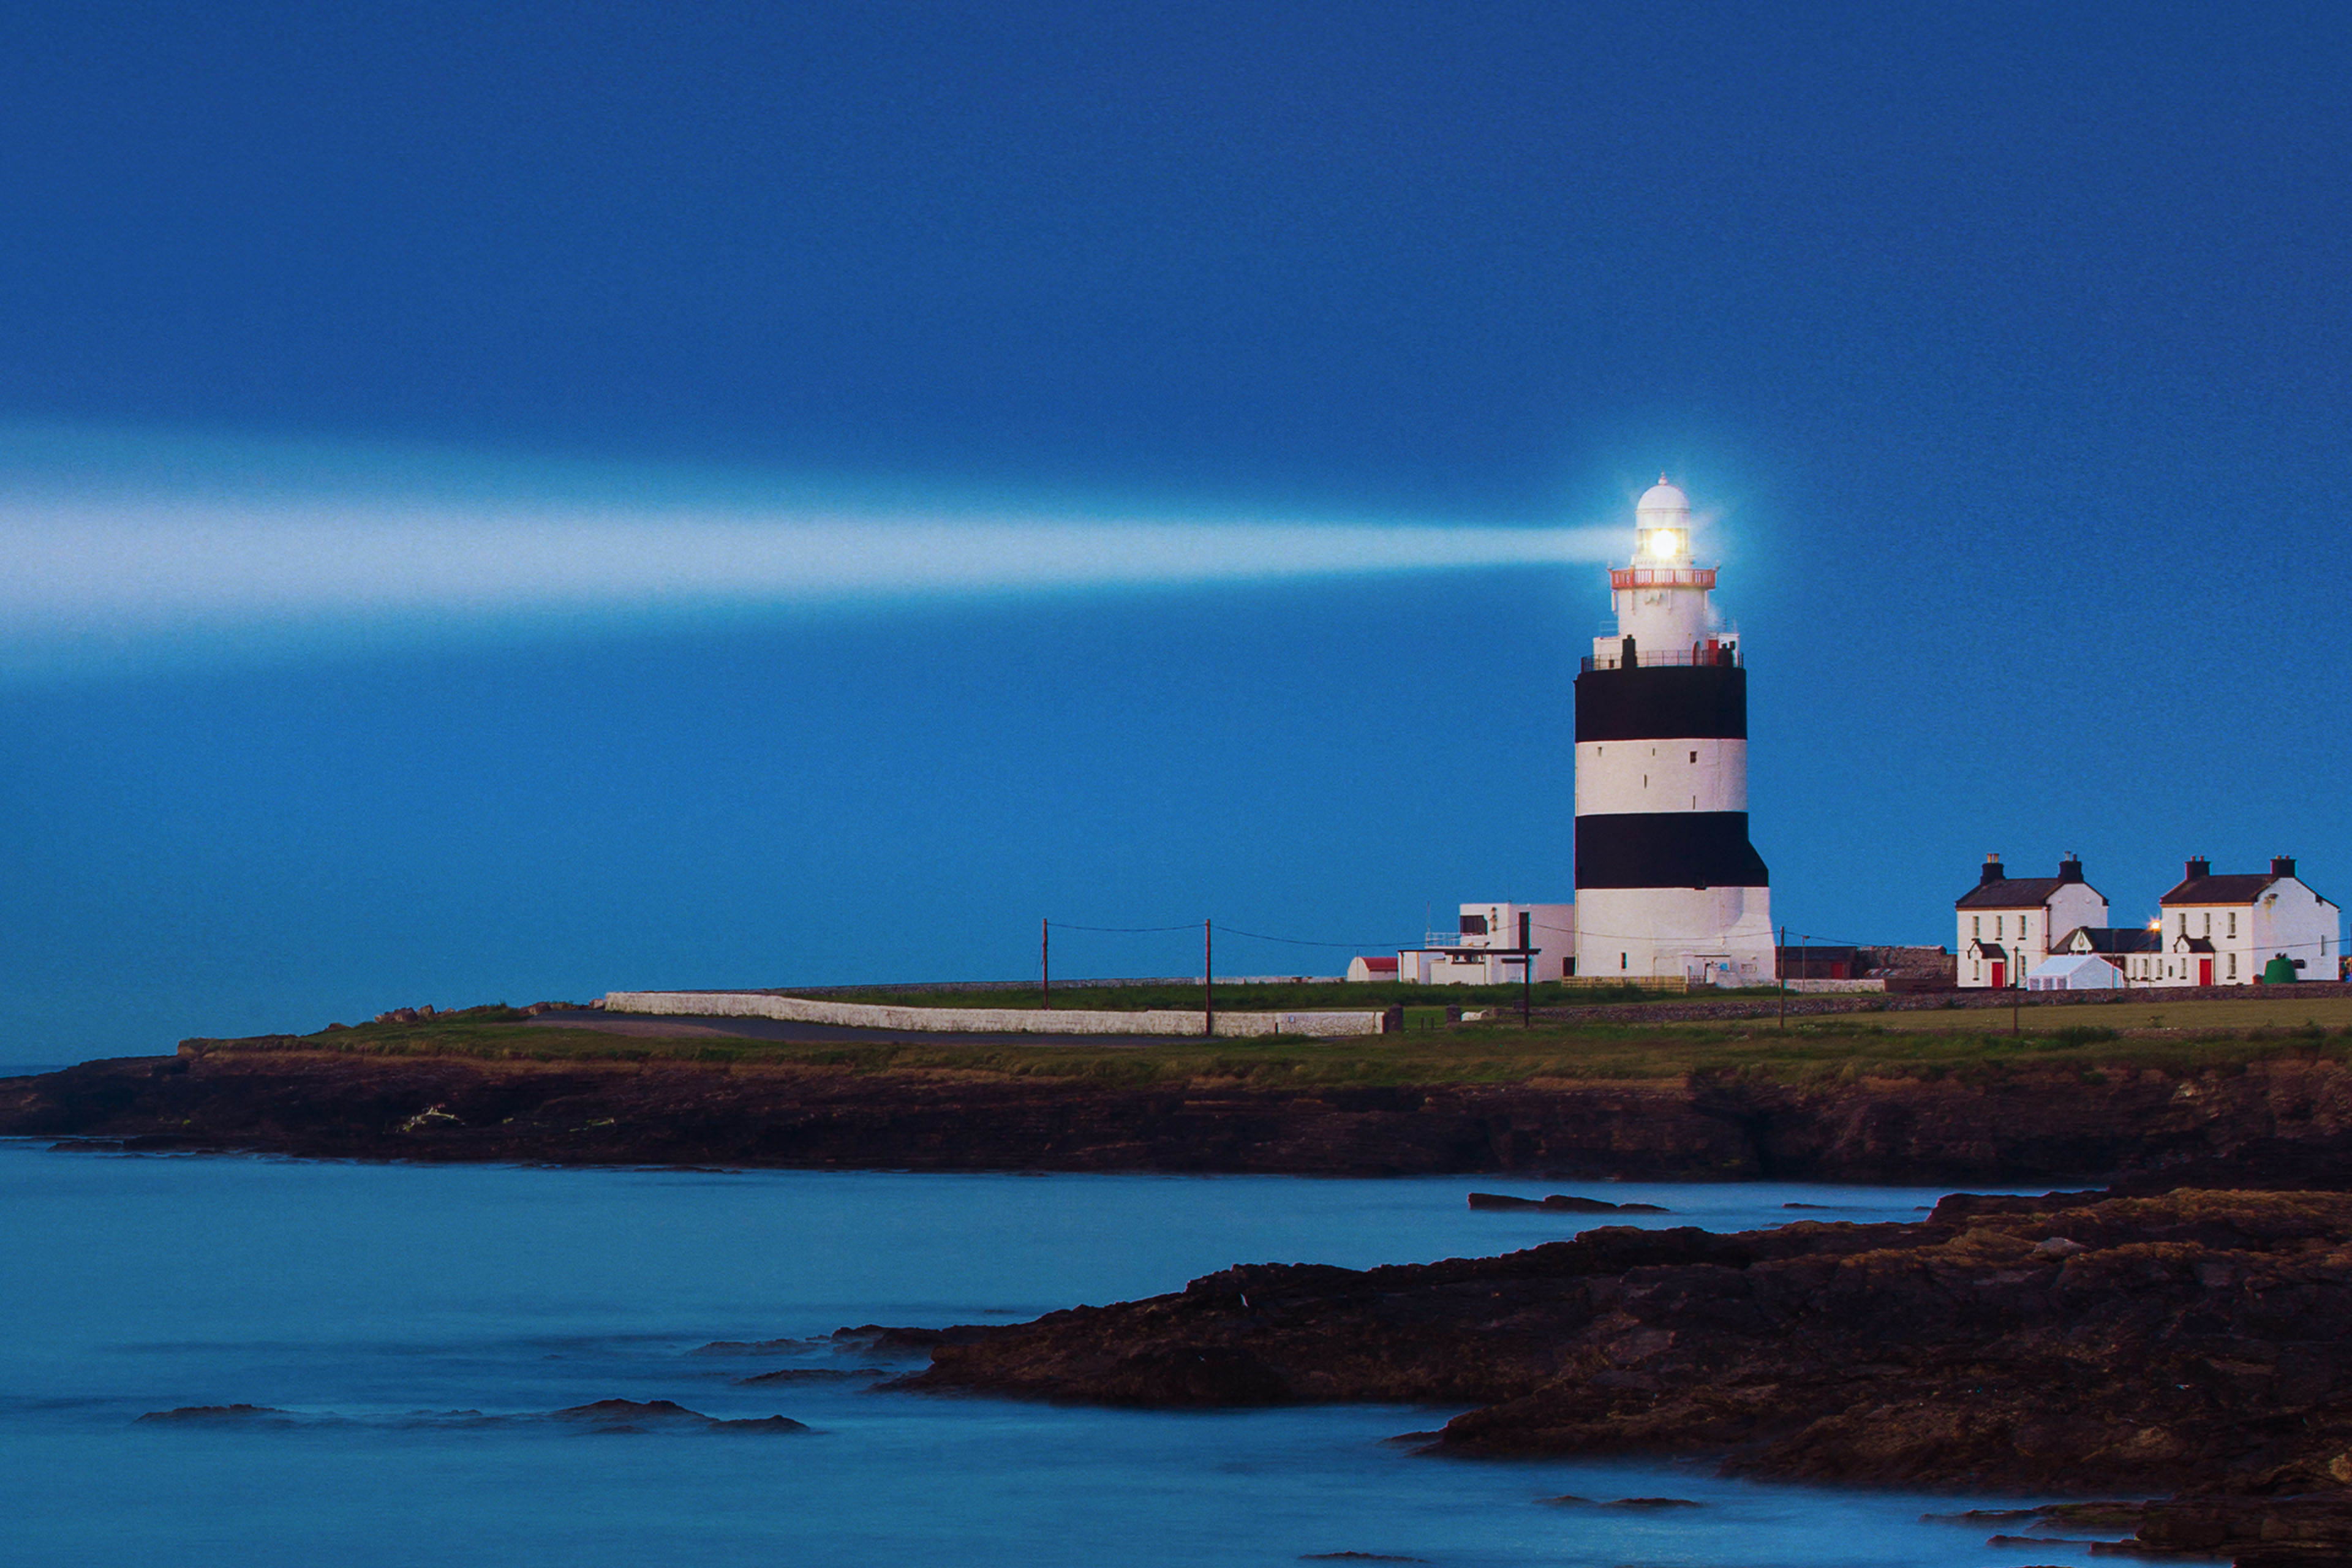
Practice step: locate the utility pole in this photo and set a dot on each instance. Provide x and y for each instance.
(1045, 961)
(1208, 981)
(1780, 972)
(1527, 970)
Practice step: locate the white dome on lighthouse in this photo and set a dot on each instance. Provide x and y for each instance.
(1662, 497)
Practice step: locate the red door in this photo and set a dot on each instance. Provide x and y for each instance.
(2204, 971)
(1999, 973)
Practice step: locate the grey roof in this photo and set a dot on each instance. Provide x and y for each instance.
(2242, 890)
(2014, 893)
(2114, 939)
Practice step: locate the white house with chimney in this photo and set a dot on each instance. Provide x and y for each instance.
(2008, 925)
(2228, 930)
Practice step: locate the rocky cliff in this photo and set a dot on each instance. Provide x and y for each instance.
(2284, 1122)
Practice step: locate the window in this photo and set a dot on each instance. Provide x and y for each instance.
(1474, 925)
(1694, 756)
(2233, 967)
(2233, 923)
(1996, 926)
(2184, 931)
(2208, 923)
(1620, 961)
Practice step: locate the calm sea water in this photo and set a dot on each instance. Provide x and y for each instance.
(414, 1323)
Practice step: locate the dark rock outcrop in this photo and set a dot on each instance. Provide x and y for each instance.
(2200, 1340)
(603, 1415)
(656, 1415)
(1559, 1203)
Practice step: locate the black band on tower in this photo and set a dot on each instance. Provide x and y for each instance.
(1667, 849)
(1663, 702)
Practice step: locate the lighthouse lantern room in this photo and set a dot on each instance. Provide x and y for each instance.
(1667, 880)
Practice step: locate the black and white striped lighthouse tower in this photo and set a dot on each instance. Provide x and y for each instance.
(1667, 881)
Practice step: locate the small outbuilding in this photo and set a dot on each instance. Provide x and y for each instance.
(1496, 946)
(2074, 972)
(1360, 970)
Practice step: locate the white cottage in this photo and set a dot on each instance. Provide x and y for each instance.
(2227, 930)
(2009, 924)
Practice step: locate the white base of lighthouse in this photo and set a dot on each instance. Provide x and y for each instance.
(1721, 936)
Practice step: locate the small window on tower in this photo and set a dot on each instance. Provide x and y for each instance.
(1474, 925)
(1694, 756)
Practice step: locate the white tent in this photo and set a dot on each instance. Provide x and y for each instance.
(2074, 972)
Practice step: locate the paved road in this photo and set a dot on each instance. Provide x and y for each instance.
(662, 1027)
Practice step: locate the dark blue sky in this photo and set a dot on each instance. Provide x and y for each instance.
(2010, 344)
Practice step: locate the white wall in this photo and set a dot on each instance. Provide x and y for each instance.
(1662, 619)
(1614, 776)
(984, 1020)
(1674, 931)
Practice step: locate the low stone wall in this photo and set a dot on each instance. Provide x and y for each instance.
(987, 1020)
(1831, 987)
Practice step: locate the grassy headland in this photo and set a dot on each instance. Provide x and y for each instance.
(1973, 1045)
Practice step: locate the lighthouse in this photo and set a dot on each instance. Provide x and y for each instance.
(1667, 881)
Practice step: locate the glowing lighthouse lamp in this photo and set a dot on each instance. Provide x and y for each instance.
(1664, 615)
(1667, 880)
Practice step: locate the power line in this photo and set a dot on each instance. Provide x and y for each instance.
(1295, 942)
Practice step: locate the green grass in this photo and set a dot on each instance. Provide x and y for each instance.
(1972, 1046)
